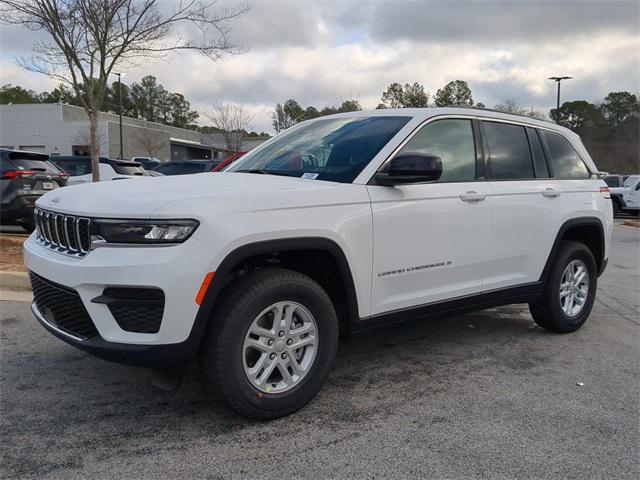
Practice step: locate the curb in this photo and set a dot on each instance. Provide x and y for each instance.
(632, 223)
(14, 280)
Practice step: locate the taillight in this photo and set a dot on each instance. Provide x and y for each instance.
(13, 174)
(63, 175)
(604, 191)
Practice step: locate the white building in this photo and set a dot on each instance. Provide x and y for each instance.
(59, 129)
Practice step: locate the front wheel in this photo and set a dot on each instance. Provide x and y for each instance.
(570, 291)
(272, 344)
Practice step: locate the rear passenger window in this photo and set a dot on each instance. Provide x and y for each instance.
(564, 161)
(509, 154)
(451, 140)
(539, 162)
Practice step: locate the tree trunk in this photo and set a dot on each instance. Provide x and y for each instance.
(94, 147)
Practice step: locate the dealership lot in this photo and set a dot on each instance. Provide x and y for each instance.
(480, 395)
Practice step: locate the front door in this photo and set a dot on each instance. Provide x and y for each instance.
(430, 241)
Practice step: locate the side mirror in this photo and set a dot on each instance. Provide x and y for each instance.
(410, 168)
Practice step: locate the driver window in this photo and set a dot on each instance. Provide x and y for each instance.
(452, 141)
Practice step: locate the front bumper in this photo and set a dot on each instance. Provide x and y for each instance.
(177, 271)
(152, 356)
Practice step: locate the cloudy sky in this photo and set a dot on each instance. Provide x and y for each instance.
(324, 51)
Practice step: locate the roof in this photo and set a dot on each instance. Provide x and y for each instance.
(425, 113)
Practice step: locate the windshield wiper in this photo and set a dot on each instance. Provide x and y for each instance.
(265, 172)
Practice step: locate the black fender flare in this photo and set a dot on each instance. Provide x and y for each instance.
(566, 226)
(223, 275)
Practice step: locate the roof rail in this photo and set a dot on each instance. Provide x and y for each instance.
(500, 111)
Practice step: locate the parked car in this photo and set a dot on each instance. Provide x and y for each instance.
(25, 177)
(228, 161)
(79, 168)
(185, 167)
(148, 163)
(341, 224)
(627, 197)
(614, 180)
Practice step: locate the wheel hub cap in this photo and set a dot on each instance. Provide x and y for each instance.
(574, 288)
(280, 347)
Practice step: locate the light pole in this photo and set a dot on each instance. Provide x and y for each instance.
(558, 80)
(120, 110)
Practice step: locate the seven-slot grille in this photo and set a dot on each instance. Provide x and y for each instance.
(64, 233)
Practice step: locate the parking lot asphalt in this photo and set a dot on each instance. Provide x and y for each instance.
(482, 395)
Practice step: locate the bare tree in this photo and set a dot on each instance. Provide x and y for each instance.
(89, 40)
(233, 121)
(509, 105)
(83, 139)
(153, 142)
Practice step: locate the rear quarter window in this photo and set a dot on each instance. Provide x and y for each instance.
(564, 161)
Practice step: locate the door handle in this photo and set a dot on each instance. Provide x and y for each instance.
(550, 192)
(472, 196)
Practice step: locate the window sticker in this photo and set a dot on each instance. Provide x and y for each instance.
(310, 175)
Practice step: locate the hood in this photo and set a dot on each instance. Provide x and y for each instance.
(139, 198)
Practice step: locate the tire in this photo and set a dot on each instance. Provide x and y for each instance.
(28, 225)
(224, 355)
(616, 208)
(548, 311)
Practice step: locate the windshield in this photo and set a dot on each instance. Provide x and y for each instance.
(630, 181)
(333, 149)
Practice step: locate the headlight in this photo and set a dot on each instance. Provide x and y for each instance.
(141, 231)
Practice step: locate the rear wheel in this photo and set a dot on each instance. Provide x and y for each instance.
(570, 291)
(272, 344)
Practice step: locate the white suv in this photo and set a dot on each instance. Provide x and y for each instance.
(338, 224)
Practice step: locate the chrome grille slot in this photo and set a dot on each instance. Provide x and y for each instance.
(57, 226)
(47, 228)
(67, 234)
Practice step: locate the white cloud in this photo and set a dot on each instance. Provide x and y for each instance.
(322, 53)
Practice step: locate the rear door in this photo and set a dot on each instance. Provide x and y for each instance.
(581, 192)
(528, 205)
(430, 241)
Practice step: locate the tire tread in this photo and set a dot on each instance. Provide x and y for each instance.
(238, 294)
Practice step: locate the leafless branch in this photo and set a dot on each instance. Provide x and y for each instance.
(153, 142)
(88, 40)
(233, 121)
